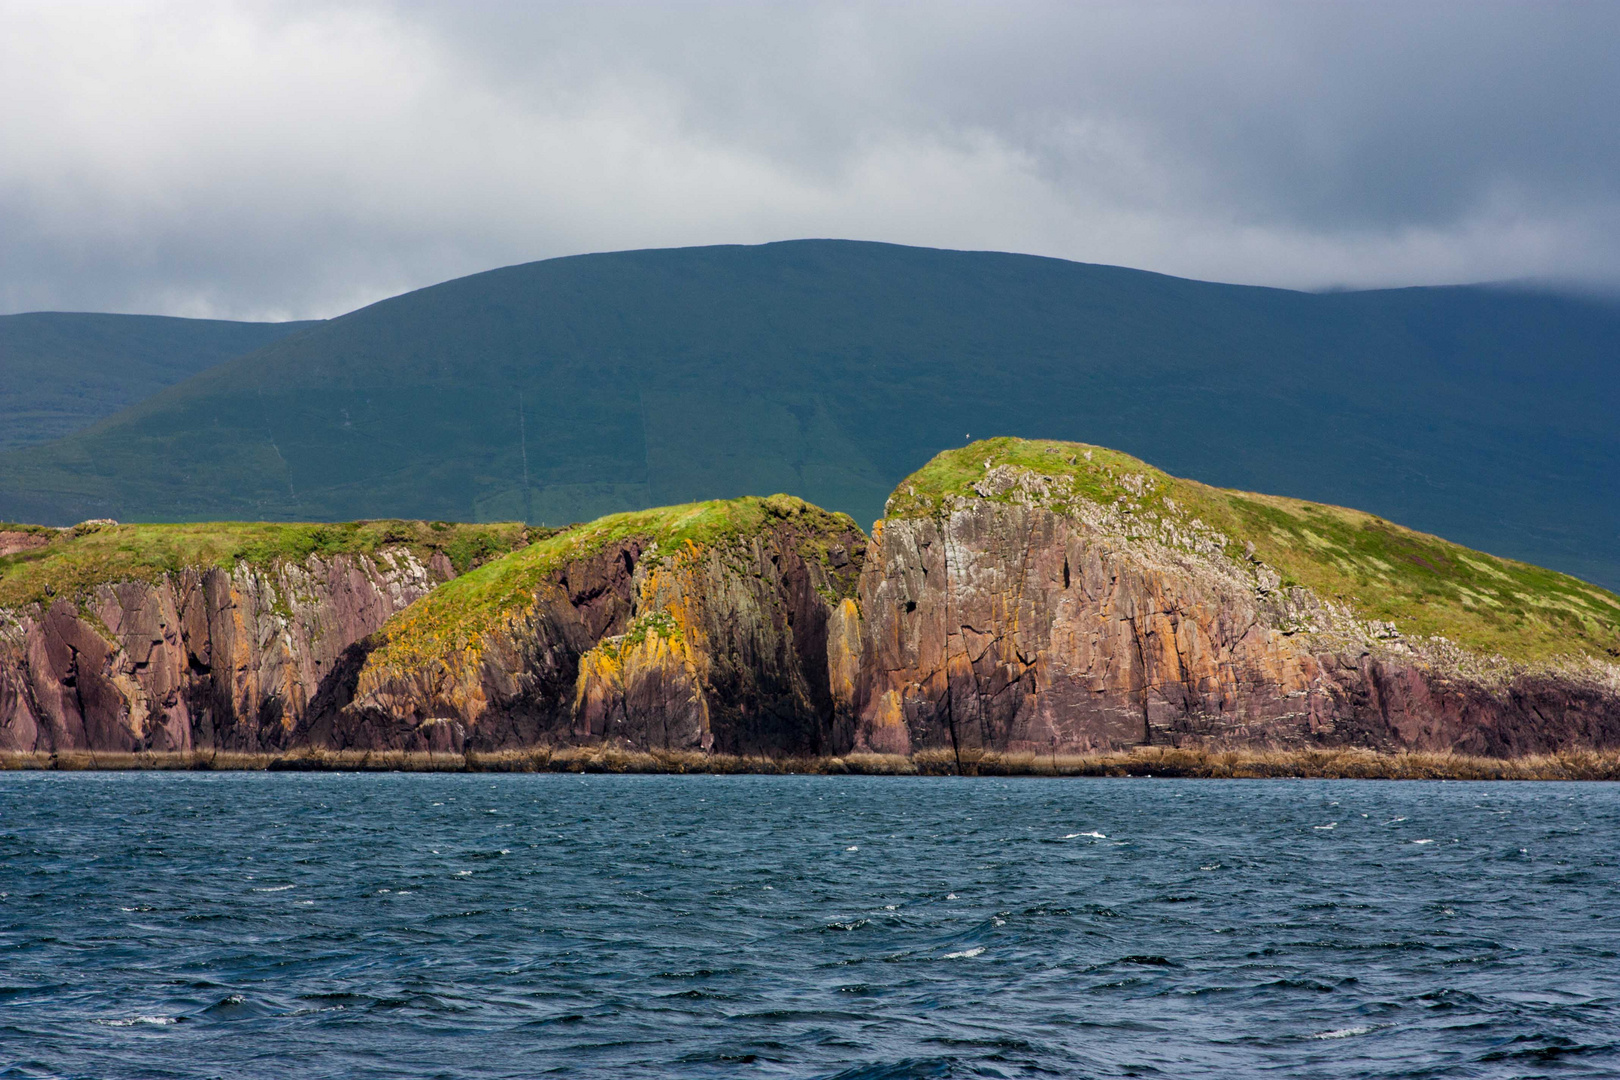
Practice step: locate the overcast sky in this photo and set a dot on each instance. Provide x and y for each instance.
(275, 160)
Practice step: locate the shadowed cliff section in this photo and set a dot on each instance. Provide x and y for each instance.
(563, 390)
(694, 627)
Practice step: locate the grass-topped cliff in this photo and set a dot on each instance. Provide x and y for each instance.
(38, 564)
(1380, 571)
(454, 618)
(1423, 584)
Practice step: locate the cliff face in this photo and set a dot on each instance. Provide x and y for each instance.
(202, 658)
(998, 622)
(1024, 598)
(630, 635)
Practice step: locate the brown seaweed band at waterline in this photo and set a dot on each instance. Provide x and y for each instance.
(1141, 762)
(1022, 602)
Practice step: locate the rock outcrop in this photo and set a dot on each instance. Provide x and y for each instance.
(202, 658)
(1016, 629)
(1020, 598)
(1067, 606)
(628, 633)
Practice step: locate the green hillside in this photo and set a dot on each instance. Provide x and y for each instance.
(1423, 584)
(562, 390)
(63, 371)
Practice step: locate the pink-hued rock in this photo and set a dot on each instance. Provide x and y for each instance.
(211, 658)
(1012, 628)
(700, 647)
(992, 625)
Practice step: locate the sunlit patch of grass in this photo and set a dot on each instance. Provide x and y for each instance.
(77, 560)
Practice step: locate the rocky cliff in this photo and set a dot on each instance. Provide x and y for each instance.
(172, 638)
(1019, 597)
(1053, 597)
(700, 627)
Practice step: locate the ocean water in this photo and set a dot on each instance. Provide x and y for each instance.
(299, 925)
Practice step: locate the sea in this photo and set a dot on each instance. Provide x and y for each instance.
(290, 925)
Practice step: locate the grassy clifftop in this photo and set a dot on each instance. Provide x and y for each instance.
(1382, 571)
(455, 617)
(42, 564)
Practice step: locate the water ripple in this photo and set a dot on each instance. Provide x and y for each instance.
(845, 928)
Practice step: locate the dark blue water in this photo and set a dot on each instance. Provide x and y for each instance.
(275, 925)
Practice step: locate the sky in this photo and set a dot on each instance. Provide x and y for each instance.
(298, 160)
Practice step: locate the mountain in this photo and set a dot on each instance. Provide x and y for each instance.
(63, 371)
(561, 390)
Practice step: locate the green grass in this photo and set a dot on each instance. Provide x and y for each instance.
(78, 560)
(1425, 585)
(455, 617)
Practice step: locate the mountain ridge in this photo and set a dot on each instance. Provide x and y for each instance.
(62, 371)
(830, 369)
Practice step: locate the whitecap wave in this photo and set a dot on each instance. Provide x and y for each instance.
(1341, 1033)
(273, 888)
(155, 1021)
(965, 954)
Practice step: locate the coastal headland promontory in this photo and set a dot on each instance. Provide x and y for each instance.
(1023, 606)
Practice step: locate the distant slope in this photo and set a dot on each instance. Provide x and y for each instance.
(63, 371)
(831, 369)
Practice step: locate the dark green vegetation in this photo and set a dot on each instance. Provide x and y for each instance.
(454, 618)
(562, 390)
(1423, 584)
(74, 561)
(63, 371)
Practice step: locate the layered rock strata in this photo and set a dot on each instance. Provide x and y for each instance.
(1032, 602)
(998, 623)
(637, 641)
(224, 658)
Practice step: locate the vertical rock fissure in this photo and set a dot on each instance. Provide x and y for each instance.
(1141, 660)
(950, 709)
(78, 691)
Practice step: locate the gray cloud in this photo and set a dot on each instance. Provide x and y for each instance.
(290, 159)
